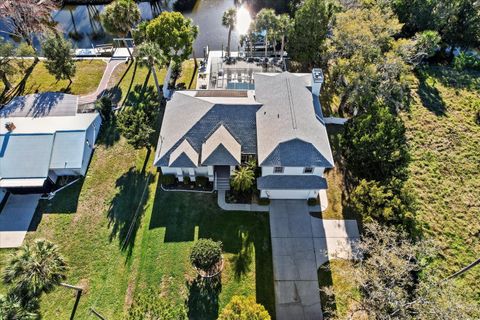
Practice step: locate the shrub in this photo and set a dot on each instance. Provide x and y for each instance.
(390, 204)
(104, 107)
(313, 201)
(167, 179)
(205, 254)
(201, 182)
(186, 180)
(241, 307)
(466, 61)
(263, 201)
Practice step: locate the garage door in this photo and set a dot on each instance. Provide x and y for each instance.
(290, 194)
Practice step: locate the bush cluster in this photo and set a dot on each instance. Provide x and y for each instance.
(466, 61)
(167, 179)
(205, 254)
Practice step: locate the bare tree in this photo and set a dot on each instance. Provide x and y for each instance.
(25, 18)
(394, 283)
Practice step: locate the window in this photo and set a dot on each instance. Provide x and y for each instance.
(277, 169)
(308, 170)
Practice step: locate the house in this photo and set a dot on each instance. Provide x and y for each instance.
(280, 123)
(42, 137)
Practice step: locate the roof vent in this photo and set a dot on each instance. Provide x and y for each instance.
(317, 80)
(10, 126)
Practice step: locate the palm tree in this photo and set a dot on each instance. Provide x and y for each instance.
(243, 178)
(120, 17)
(151, 55)
(229, 20)
(11, 308)
(35, 268)
(284, 24)
(266, 21)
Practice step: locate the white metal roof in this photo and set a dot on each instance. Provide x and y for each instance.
(25, 156)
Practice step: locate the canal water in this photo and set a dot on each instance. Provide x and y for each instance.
(81, 23)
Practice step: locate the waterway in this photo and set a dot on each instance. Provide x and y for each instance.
(81, 23)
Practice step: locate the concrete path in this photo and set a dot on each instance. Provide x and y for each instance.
(92, 97)
(253, 207)
(15, 219)
(300, 245)
(239, 206)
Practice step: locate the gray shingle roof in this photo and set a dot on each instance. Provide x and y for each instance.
(221, 148)
(220, 157)
(52, 104)
(184, 156)
(290, 127)
(194, 119)
(285, 182)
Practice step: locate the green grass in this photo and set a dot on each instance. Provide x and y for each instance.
(126, 77)
(444, 143)
(90, 222)
(88, 76)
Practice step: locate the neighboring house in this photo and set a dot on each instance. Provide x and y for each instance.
(42, 137)
(210, 132)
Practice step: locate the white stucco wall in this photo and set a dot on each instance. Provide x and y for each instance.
(293, 171)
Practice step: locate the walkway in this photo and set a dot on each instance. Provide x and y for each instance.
(15, 219)
(92, 97)
(300, 245)
(239, 206)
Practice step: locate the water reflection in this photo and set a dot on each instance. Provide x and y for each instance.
(243, 20)
(81, 23)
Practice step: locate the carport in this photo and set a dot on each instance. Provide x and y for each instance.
(15, 219)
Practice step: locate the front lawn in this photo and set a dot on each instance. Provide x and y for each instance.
(91, 222)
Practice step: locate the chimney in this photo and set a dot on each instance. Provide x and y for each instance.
(10, 126)
(317, 81)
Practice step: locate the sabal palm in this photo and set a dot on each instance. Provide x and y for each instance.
(120, 17)
(284, 24)
(229, 20)
(243, 178)
(35, 268)
(151, 55)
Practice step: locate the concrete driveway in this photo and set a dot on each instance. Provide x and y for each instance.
(15, 219)
(300, 245)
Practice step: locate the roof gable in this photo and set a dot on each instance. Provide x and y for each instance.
(239, 120)
(184, 156)
(220, 157)
(231, 147)
(296, 153)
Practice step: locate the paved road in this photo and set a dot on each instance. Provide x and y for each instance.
(300, 245)
(15, 219)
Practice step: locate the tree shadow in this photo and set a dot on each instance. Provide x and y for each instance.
(327, 296)
(429, 95)
(20, 88)
(245, 235)
(64, 202)
(109, 133)
(242, 261)
(203, 301)
(114, 94)
(127, 207)
(131, 82)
